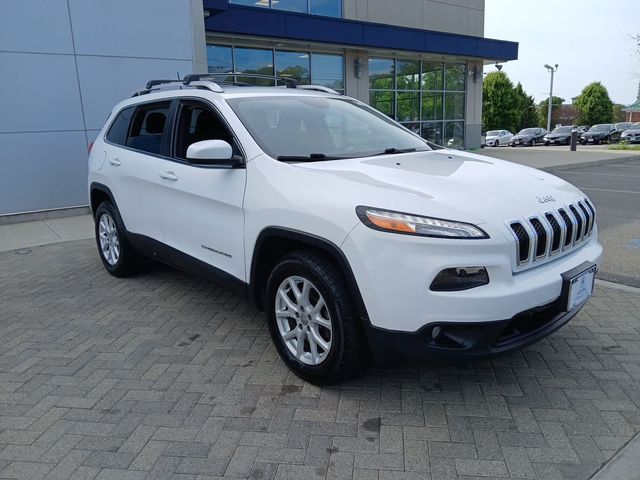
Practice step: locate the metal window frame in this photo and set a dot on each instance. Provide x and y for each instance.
(444, 120)
(308, 12)
(273, 59)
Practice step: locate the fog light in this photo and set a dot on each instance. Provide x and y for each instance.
(459, 278)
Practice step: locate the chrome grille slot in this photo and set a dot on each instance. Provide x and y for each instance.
(552, 233)
(523, 242)
(541, 234)
(568, 239)
(556, 232)
(587, 215)
(579, 223)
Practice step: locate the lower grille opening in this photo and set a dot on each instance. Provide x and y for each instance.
(527, 323)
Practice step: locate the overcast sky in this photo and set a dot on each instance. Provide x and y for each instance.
(589, 39)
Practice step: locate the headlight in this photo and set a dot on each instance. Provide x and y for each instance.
(408, 224)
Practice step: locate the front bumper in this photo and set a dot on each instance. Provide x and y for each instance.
(394, 273)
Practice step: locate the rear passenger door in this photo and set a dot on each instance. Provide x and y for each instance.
(202, 206)
(133, 165)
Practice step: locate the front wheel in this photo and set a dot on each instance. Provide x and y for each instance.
(546, 144)
(117, 256)
(312, 319)
(496, 143)
(532, 143)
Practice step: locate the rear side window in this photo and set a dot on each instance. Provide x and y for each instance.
(120, 127)
(148, 127)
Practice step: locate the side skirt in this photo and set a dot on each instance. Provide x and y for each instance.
(156, 250)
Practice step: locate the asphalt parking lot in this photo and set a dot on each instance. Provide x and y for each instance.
(615, 191)
(166, 376)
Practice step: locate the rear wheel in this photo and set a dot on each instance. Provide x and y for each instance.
(117, 256)
(313, 320)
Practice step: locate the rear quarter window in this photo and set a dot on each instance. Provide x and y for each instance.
(119, 129)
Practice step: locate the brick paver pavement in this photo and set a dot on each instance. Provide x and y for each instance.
(167, 376)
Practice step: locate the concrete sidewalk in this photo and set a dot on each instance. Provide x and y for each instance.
(44, 232)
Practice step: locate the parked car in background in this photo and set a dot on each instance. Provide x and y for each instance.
(631, 134)
(560, 135)
(601, 133)
(495, 138)
(622, 126)
(528, 136)
(483, 137)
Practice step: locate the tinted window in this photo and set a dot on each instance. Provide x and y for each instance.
(197, 122)
(148, 127)
(302, 125)
(120, 127)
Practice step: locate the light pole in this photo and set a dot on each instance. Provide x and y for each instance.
(552, 70)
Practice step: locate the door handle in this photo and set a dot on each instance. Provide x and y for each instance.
(115, 162)
(169, 176)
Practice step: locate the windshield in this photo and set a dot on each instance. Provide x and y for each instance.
(288, 127)
(493, 133)
(635, 126)
(605, 127)
(562, 130)
(528, 131)
(622, 126)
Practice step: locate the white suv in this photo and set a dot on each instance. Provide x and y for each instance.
(353, 234)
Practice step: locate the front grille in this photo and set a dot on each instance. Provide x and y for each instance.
(555, 232)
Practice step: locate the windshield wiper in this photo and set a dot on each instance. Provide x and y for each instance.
(312, 157)
(393, 151)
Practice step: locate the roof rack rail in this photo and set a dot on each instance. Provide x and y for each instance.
(206, 80)
(288, 81)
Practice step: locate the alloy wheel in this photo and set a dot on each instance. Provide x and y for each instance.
(109, 241)
(303, 320)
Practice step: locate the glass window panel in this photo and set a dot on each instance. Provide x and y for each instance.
(432, 75)
(251, 3)
(413, 126)
(294, 65)
(383, 101)
(256, 61)
(408, 106)
(381, 74)
(454, 133)
(432, 132)
(453, 106)
(328, 8)
(290, 5)
(327, 70)
(219, 58)
(454, 74)
(432, 105)
(408, 75)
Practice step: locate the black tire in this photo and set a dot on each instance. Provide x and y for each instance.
(347, 354)
(583, 142)
(546, 144)
(128, 261)
(532, 143)
(496, 143)
(609, 141)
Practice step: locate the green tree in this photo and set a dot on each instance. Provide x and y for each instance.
(594, 105)
(543, 111)
(500, 103)
(527, 110)
(618, 114)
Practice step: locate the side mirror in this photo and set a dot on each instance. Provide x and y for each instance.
(211, 152)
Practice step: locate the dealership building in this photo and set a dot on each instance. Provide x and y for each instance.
(65, 63)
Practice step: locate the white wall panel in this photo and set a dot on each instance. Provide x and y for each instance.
(133, 28)
(42, 171)
(39, 92)
(105, 81)
(35, 26)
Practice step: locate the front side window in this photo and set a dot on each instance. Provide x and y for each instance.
(302, 126)
(119, 128)
(148, 127)
(197, 122)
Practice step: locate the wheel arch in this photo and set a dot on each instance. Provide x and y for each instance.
(274, 242)
(99, 193)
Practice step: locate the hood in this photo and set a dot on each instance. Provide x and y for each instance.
(522, 137)
(557, 135)
(461, 185)
(632, 131)
(596, 134)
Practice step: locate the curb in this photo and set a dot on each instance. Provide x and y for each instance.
(592, 163)
(623, 465)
